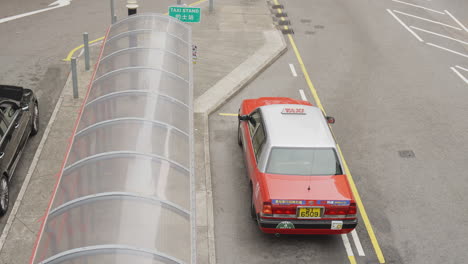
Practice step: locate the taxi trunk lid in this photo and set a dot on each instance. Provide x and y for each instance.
(308, 188)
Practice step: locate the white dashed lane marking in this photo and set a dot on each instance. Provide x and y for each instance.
(293, 70)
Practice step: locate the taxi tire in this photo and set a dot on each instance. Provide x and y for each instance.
(239, 135)
(253, 213)
(35, 120)
(4, 192)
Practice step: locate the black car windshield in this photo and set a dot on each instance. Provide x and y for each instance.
(303, 161)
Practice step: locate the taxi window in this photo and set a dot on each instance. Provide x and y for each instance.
(254, 122)
(258, 140)
(304, 161)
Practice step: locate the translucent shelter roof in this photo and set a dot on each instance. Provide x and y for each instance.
(126, 193)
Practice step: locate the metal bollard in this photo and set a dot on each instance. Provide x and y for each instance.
(74, 78)
(86, 50)
(132, 7)
(113, 18)
(179, 2)
(211, 6)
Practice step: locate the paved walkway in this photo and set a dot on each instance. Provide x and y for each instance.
(235, 42)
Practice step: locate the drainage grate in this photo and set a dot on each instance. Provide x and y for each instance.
(281, 15)
(319, 26)
(284, 22)
(287, 31)
(406, 153)
(310, 32)
(306, 20)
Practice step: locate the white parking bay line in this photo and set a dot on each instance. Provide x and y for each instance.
(347, 245)
(357, 242)
(440, 35)
(459, 74)
(449, 50)
(418, 6)
(293, 70)
(456, 20)
(425, 19)
(303, 97)
(404, 25)
(461, 68)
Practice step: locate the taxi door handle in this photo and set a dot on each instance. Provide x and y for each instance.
(2, 154)
(16, 125)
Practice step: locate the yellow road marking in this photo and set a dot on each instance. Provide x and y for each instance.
(362, 210)
(227, 114)
(70, 54)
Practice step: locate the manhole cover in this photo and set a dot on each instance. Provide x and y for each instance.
(406, 153)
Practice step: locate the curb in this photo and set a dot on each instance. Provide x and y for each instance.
(220, 93)
(247, 71)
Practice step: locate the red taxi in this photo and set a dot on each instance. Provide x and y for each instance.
(297, 180)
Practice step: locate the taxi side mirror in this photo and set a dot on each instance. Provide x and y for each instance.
(243, 117)
(330, 119)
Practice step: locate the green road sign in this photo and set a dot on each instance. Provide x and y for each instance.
(185, 14)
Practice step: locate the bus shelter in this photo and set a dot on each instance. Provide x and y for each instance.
(126, 192)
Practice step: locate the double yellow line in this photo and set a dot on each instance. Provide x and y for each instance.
(361, 207)
(70, 54)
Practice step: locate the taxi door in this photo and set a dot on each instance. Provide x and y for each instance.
(7, 148)
(255, 136)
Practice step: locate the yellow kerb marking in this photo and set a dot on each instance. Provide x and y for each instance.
(227, 114)
(362, 210)
(70, 54)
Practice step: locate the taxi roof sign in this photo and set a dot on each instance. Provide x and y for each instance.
(293, 111)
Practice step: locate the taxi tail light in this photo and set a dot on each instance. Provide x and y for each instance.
(352, 209)
(267, 210)
(337, 211)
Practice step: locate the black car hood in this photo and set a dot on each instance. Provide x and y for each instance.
(12, 92)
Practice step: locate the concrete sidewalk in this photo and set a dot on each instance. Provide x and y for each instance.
(235, 43)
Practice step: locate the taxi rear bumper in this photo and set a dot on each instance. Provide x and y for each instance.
(305, 226)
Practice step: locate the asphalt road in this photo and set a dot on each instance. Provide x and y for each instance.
(402, 123)
(33, 48)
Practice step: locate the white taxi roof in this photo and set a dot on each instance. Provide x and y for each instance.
(307, 129)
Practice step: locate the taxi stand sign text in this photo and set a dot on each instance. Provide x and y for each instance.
(185, 14)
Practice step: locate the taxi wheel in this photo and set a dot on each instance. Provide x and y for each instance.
(239, 135)
(4, 195)
(35, 120)
(253, 214)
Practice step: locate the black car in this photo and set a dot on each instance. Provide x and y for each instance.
(19, 119)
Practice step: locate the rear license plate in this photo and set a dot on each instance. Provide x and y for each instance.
(309, 212)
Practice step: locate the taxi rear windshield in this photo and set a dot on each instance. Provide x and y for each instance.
(304, 161)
